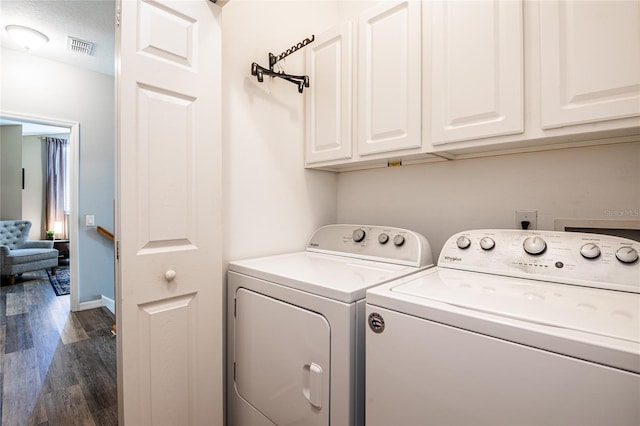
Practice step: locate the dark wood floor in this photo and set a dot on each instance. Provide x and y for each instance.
(56, 367)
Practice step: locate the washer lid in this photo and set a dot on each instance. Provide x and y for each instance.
(336, 277)
(606, 313)
(587, 323)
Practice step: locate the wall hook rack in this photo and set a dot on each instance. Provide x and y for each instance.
(301, 81)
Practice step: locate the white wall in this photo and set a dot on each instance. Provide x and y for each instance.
(34, 163)
(48, 89)
(271, 204)
(440, 199)
(11, 172)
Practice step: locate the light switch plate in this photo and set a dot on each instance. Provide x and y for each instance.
(90, 220)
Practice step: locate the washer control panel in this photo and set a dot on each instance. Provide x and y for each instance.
(592, 260)
(382, 243)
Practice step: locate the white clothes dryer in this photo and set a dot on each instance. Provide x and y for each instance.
(511, 328)
(296, 323)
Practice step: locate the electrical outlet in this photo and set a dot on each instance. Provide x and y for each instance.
(530, 216)
(89, 220)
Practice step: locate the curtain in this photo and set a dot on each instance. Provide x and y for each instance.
(56, 204)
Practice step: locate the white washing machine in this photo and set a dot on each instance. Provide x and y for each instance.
(296, 323)
(511, 328)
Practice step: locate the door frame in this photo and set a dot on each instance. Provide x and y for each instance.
(74, 145)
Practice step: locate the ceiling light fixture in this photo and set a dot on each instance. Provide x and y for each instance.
(27, 38)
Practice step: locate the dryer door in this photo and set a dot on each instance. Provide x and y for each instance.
(282, 355)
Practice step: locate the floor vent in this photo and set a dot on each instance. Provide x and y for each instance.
(79, 46)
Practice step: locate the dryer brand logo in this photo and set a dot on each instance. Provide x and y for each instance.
(314, 245)
(376, 322)
(453, 258)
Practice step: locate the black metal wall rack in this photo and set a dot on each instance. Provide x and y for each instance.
(301, 81)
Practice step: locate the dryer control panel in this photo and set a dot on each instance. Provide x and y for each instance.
(380, 243)
(586, 259)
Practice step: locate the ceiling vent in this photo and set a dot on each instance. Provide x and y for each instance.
(79, 46)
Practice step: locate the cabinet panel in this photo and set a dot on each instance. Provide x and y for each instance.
(590, 61)
(329, 114)
(477, 69)
(389, 75)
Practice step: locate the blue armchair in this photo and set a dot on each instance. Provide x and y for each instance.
(18, 254)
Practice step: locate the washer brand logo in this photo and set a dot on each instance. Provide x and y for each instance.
(376, 322)
(453, 258)
(314, 245)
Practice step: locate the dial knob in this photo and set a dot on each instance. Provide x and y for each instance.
(463, 242)
(398, 240)
(383, 238)
(590, 251)
(627, 254)
(487, 243)
(534, 245)
(358, 235)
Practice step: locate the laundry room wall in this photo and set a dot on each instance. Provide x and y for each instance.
(271, 203)
(440, 199)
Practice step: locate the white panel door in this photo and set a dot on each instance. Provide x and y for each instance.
(282, 355)
(477, 79)
(329, 111)
(389, 75)
(169, 274)
(589, 61)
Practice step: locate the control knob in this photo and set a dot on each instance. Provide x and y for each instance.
(398, 240)
(590, 251)
(383, 238)
(463, 242)
(534, 245)
(627, 254)
(487, 243)
(358, 235)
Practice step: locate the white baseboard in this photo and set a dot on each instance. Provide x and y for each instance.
(108, 303)
(91, 304)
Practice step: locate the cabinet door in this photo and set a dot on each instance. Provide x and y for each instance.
(389, 76)
(590, 61)
(329, 99)
(477, 69)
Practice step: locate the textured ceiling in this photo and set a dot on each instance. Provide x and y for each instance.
(90, 20)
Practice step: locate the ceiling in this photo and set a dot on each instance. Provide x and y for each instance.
(88, 20)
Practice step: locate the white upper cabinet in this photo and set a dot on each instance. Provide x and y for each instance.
(477, 77)
(389, 78)
(328, 112)
(590, 61)
(440, 80)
